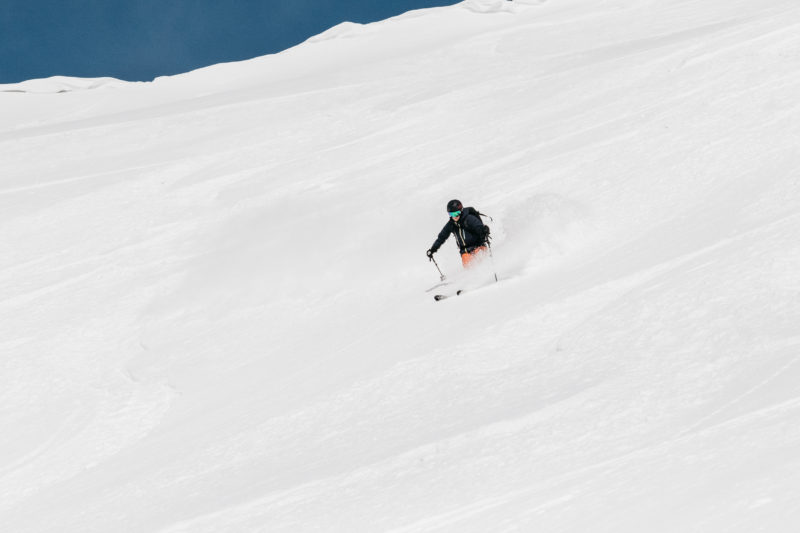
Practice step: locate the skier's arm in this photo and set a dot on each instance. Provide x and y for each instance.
(443, 236)
(475, 225)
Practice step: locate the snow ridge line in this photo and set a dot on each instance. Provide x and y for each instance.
(739, 398)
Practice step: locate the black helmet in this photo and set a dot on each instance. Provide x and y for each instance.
(453, 206)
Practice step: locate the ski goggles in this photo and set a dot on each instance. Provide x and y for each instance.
(454, 214)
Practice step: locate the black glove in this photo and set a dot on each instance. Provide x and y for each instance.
(430, 254)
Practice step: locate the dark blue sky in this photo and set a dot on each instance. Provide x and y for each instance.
(137, 40)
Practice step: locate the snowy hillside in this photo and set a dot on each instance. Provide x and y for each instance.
(212, 286)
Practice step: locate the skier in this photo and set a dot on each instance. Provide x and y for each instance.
(470, 232)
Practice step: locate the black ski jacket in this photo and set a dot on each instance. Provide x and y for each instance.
(469, 231)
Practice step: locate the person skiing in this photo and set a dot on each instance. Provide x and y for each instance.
(470, 232)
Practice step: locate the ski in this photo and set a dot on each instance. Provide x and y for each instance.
(438, 297)
(442, 284)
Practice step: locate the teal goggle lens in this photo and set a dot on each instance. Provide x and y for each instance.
(454, 214)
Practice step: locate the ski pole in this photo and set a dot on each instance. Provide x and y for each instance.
(491, 256)
(441, 276)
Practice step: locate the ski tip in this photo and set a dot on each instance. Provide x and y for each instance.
(438, 297)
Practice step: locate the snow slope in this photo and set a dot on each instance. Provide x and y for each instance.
(213, 298)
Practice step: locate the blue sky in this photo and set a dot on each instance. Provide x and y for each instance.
(138, 40)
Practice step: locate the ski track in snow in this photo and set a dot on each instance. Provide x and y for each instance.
(213, 299)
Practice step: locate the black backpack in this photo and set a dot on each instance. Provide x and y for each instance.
(473, 211)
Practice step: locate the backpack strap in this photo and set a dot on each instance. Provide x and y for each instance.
(478, 213)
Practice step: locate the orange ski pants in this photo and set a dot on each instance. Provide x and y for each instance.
(470, 259)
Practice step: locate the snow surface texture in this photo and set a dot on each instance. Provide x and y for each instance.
(213, 285)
